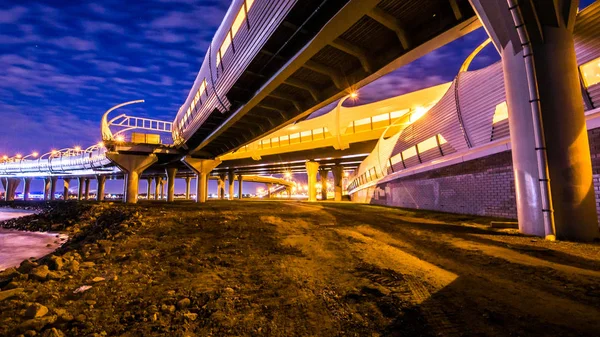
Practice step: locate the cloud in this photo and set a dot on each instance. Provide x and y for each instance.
(75, 43)
(12, 15)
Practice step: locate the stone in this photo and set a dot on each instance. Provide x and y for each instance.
(184, 303)
(56, 262)
(36, 310)
(54, 275)
(87, 264)
(26, 266)
(8, 274)
(191, 316)
(39, 273)
(30, 333)
(98, 279)
(53, 332)
(73, 266)
(37, 324)
(167, 308)
(63, 315)
(10, 293)
(229, 291)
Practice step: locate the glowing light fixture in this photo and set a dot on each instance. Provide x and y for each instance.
(120, 138)
(354, 94)
(5, 157)
(19, 156)
(34, 154)
(101, 144)
(77, 148)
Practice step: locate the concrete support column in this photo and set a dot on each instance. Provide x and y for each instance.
(221, 186)
(162, 190)
(268, 186)
(240, 188)
(53, 182)
(132, 165)
(86, 194)
(157, 184)
(188, 186)
(66, 184)
(230, 179)
(26, 188)
(5, 186)
(312, 168)
(323, 174)
(47, 183)
(11, 188)
(80, 188)
(288, 190)
(171, 173)
(202, 167)
(560, 123)
(101, 187)
(338, 174)
(149, 188)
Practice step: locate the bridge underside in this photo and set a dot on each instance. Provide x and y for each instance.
(316, 56)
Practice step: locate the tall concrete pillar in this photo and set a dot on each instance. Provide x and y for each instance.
(162, 190)
(157, 184)
(80, 188)
(149, 187)
(26, 188)
(240, 186)
(546, 117)
(338, 174)
(86, 194)
(268, 186)
(312, 168)
(323, 174)
(171, 173)
(5, 186)
(230, 179)
(288, 190)
(188, 186)
(132, 165)
(11, 188)
(66, 184)
(101, 187)
(47, 183)
(53, 182)
(202, 167)
(221, 186)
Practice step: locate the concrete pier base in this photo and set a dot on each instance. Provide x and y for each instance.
(80, 188)
(312, 168)
(101, 187)
(47, 183)
(323, 175)
(338, 175)
(157, 184)
(26, 188)
(188, 187)
(53, 182)
(66, 185)
(230, 180)
(171, 173)
(202, 167)
(132, 165)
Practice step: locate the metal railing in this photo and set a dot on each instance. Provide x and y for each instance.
(125, 126)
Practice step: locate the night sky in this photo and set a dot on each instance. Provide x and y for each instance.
(63, 63)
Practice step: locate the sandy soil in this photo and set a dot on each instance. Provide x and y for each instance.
(300, 269)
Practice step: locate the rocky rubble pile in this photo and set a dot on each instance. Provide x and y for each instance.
(52, 296)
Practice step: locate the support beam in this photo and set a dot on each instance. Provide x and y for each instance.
(335, 76)
(66, 184)
(101, 187)
(546, 117)
(391, 23)
(312, 168)
(133, 166)
(171, 173)
(157, 184)
(338, 174)
(47, 183)
(26, 188)
(304, 86)
(269, 186)
(456, 10)
(230, 179)
(188, 185)
(202, 167)
(240, 189)
(53, 182)
(323, 173)
(80, 188)
(355, 51)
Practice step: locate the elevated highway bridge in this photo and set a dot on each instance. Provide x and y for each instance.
(273, 63)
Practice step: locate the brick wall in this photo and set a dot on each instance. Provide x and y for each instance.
(484, 186)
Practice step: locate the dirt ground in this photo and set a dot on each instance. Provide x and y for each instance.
(270, 268)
